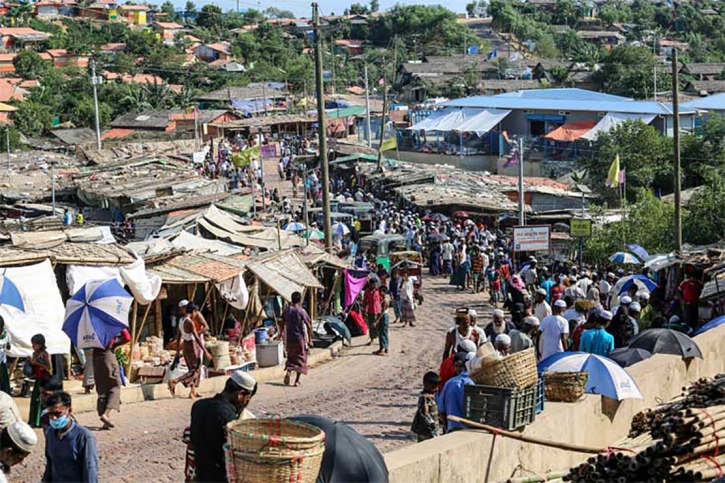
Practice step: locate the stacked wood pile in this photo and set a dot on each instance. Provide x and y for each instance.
(682, 440)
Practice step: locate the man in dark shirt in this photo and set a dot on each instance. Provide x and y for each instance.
(70, 449)
(209, 418)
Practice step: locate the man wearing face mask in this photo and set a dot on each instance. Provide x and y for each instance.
(70, 449)
(209, 418)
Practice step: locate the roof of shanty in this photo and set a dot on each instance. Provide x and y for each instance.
(599, 34)
(33, 181)
(32, 247)
(141, 181)
(181, 149)
(266, 121)
(715, 103)
(72, 137)
(232, 93)
(139, 8)
(149, 119)
(204, 116)
(169, 25)
(113, 47)
(708, 87)
(24, 33)
(449, 65)
(704, 68)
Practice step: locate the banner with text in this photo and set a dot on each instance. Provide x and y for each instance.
(534, 238)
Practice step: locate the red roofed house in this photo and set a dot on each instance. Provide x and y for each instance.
(61, 58)
(17, 37)
(6, 63)
(49, 9)
(112, 49)
(167, 30)
(212, 52)
(10, 92)
(353, 47)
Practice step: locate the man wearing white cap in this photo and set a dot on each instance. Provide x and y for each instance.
(605, 285)
(554, 330)
(209, 418)
(503, 344)
(621, 327)
(524, 339)
(17, 441)
(498, 326)
(635, 310)
(541, 308)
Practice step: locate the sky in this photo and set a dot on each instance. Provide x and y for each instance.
(303, 8)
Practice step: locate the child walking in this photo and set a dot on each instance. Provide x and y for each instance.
(42, 367)
(425, 422)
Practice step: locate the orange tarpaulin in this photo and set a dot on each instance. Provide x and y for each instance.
(571, 131)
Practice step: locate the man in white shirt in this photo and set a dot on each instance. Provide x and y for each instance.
(541, 308)
(605, 286)
(573, 290)
(554, 331)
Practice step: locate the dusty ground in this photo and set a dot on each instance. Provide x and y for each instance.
(376, 395)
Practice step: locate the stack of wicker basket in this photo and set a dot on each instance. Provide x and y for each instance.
(565, 386)
(270, 450)
(516, 371)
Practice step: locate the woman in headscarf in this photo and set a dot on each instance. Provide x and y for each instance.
(517, 299)
(192, 344)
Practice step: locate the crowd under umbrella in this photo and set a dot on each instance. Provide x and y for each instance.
(97, 313)
(460, 214)
(436, 217)
(313, 234)
(624, 258)
(10, 294)
(340, 229)
(606, 378)
(627, 356)
(716, 322)
(348, 456)
(438, 238)
(643, 282)
(666, 341)
(295, 226)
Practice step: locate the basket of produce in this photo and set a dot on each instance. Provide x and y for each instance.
(565, 386)
(515, 371)
(264, 450)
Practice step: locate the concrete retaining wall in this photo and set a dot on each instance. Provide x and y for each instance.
(592, 421)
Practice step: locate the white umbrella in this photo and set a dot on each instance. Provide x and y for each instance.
(605, 375)
(340, 229)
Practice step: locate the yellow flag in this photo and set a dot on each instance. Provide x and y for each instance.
(613, 175)
(389, 144)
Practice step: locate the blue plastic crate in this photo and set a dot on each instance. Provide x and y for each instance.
(540, 394)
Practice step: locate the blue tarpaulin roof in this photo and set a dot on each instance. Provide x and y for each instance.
(580, 100)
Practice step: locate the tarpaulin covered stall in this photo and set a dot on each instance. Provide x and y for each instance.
(612, 120)
(570, 131)
(284, 272)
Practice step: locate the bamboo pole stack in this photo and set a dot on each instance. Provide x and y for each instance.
(681, 440)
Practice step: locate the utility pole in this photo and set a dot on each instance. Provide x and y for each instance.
(322, 130)
(52, 184)
(676, 146)
(7, 144)
(368, 133)
(522, 205)
(382, 125)
(655, 82)
(95, 82)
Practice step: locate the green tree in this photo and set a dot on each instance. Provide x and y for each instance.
(274, 12)
(648, 222)
(168, 8)
(83, 115)
(704, 152)
(33, 118)
(643, 153)
(703, 222)
(628, 71)
(374, 6)
(29, 65)
(358, 9)
(210, 17)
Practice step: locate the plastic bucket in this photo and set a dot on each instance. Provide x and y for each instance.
(260, 336)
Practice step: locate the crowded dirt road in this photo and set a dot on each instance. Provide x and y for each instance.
(376, 395)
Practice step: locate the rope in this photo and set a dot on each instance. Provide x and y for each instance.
(717, 465)
(714, 433)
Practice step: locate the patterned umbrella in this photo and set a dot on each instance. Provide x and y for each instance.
(97, 313)
(10, 295)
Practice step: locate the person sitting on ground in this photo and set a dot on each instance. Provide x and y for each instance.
(425, 421)
(209, 418)
(17, 442)
(498, 326)
(597, 340)
(503, 344)
(448, 369)
(70, 449)
(450, 401)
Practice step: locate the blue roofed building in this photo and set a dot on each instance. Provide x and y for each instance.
(557, 125)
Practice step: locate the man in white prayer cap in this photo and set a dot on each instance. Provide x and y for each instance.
(503, 344)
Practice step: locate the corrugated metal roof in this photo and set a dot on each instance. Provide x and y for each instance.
(568, 94)
(579, 102)
(715, 103)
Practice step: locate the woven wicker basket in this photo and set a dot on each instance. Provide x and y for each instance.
(270, 450)
(516, 371)
(565, 386)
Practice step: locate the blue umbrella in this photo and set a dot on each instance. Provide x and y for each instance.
(605, 376)
(97, 313)
(716, 322)
(295, 226)
(628, 281)
(10, 295)
(623, 257)
(638, 250)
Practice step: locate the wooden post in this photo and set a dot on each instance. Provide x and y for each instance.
(214, 312)
(134, 340)
(313, 303)
(157, 317)
(134, 314)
